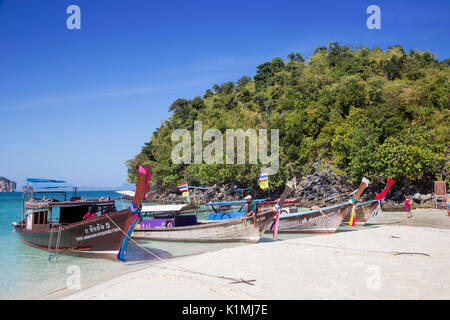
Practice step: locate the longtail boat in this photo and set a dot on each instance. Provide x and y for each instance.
(364, 211)
(188, 228)
(323, 220)
(371, 208)
(328, 219)
(104, 234)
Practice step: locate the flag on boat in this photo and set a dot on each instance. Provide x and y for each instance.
(263, 181)
(183, 188)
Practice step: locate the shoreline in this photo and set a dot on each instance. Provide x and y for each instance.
(344, 265)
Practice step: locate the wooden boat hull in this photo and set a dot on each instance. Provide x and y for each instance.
(98, 237)
(238, 229)
(363, 212)
(325, 220)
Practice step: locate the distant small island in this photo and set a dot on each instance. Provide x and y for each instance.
(7, 185)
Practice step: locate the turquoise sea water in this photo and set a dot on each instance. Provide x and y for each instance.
(25, 272)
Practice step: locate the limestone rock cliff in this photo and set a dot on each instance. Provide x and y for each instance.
(7, 185)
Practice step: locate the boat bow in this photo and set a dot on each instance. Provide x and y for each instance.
(145, 172)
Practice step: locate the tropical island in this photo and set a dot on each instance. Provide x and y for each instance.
(343, 114)
(7, 185)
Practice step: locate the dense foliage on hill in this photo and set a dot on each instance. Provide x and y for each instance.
(365, 112)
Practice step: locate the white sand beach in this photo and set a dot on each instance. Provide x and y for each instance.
(382, 261)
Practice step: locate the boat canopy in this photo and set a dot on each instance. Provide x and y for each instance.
(287, 201)
(38, 184)
(237, 202)
(166, 208)
(51, 203)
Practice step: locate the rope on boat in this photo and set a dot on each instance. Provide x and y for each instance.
(324, 217)
(180, 268)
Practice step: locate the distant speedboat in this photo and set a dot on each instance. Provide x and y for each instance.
(103, 233)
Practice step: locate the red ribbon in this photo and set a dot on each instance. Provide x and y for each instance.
(385, 191)
(142, 170)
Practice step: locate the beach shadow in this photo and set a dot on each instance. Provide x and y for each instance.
(370, 226)
(340, 230)
(143, 254)
(346, 228)
(264, 239)
(386, 223)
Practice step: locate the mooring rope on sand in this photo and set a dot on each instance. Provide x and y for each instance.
(410, 223)
(395, 253)
(181, 268)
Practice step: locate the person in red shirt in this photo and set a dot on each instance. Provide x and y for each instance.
(91, 213)
(408, 207)
(447, 204)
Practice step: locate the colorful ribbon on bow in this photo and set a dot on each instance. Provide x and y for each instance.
(353, 214)
(380, 203)
(276, 208)
(383, 194)
(148, 174)
(134, 209)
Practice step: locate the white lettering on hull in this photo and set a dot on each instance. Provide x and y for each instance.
(95, 235)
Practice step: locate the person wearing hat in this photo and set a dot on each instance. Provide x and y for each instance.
(251, 209)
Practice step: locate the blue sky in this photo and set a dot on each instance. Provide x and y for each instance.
(76, 104)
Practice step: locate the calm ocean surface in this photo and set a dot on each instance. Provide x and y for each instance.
(25, 272)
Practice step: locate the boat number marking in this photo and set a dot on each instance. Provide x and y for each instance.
(96, 228)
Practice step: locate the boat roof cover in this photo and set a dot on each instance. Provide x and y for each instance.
(166, 208)
(48, 184)
(233, 202)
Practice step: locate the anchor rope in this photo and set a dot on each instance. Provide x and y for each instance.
(361, 250)
(178, 268)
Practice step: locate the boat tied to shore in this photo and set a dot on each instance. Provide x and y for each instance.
(103, 233)
(371, 208)
(328, 219)
(188, 228)
(323, 220)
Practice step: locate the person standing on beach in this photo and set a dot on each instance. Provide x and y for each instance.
(251, 209)
(408, 207)
(447, 204)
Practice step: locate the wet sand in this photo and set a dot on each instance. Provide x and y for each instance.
(433, 218)
(390, 258)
